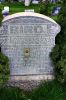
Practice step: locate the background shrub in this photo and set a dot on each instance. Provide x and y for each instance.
(4, 68)
(58, 53)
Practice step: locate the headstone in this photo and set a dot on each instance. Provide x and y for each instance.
(27, 39)
(2, 1)
(56, 10)
(27, 2)
(5, 12)
(6, 8)
(53, 1)
(35, 2)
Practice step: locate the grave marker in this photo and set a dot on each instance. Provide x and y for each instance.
(27, 39)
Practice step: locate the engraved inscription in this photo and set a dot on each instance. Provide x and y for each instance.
(28, 41)
(18, 29)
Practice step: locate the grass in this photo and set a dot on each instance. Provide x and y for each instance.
(9, 93)
(19, 7)
(54, 17)
(52, 90)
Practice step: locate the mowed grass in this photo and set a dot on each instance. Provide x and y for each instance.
(19, 7)
(52, 90)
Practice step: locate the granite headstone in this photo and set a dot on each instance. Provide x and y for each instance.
(27, 39)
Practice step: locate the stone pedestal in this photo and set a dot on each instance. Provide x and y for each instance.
(28, 82)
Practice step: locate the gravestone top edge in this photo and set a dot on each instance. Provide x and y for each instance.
(22, 14)
(36, 15)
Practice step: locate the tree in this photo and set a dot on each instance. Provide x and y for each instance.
(1, 17)
(58, 53)
(45, 7)
(62, 21)
(4, 69)
(4, 62)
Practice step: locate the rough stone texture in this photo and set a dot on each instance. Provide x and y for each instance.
(28, 82)
(35, 33)
(25, 85)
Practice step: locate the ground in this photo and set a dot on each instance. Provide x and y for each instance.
(52, 90)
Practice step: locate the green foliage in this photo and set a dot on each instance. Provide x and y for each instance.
(1, 17)
(62, 17)
(62, 64)
(19, 7)
(8, 93)
(4, 69)
(55, 54)
(45, 8)
(63, 52)
(4, 62)
(52, 90)
(58, 54)
(42, 7)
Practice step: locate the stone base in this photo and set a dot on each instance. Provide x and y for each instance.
(31, 77)
(28, 82)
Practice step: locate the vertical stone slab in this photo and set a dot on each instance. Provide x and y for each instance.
(27, 39)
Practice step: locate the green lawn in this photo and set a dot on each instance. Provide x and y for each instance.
(52, 90)
(19, 7)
